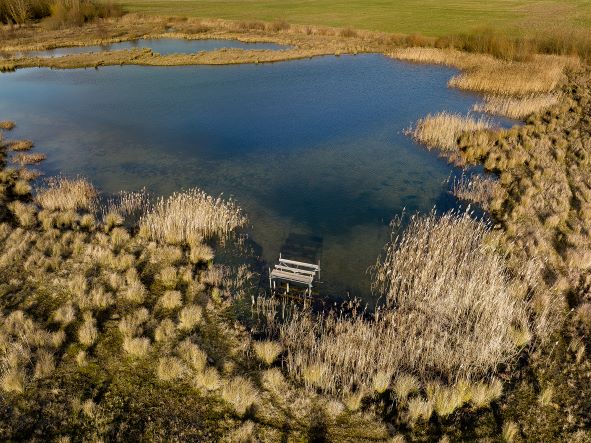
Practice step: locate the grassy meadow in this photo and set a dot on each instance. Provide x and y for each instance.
(428, 17)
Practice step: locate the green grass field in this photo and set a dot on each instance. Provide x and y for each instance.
(428, 17)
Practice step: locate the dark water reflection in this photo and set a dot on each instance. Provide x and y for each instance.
(313, 150)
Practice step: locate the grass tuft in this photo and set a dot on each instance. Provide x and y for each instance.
(267, 351)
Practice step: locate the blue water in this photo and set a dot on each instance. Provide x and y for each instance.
(313, 150)
(163, 46)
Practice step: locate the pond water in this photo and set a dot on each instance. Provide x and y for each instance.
(313, 150)
(163, 46)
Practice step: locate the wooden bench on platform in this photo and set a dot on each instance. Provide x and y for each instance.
(295, 272)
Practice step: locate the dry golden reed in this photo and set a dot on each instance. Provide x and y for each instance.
(188, 216)
(487, 74)
(443, 130)
(62, 193)
(517, 107)
(449, 316)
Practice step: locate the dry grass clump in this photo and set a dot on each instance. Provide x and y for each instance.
(240, 393)
(443, 130)
(171, 300)
(188, 216)
(13, 380)
(243, 434)
(189, 317)
(20, 145)
(194, 357)
(7, 125)
(419, 408)
(517, 107)
(404, 385)
(87, 334)
(479, 189)
(482, 394)
(24, 213)
(267, 351)
(23, 159)
(510, 432)
(61, 193)
(136, 346)
(170, 368)
(65, 314)
(200, 253)
(450, 315)
(21, 188)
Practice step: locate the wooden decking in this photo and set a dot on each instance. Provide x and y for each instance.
(294, 272)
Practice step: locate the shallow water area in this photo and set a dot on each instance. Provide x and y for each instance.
(313, 150)
(162, 46)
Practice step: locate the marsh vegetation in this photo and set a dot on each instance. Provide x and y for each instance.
(118, 322)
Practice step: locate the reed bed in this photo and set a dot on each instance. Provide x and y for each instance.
(517, 107)
(478, 189)
(450, 316)
(189, 216)
(130, 205)
(443, 130)
(487, 74)
(61, 193)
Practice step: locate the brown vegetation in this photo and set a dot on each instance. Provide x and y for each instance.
(444, 322)
(60, 12)
(443, 130)
(517, 107)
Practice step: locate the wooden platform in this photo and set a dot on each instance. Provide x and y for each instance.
(294, 272)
